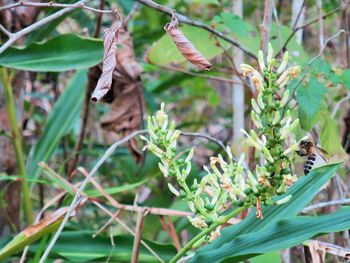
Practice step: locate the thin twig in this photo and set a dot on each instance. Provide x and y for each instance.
(132, 13)
(339, 103)
(76, 198)
(127, 228)
(52, 4)
(303, 26)
(195, 23)
(15, 36)
(320, 22)
(5, 31)
(265, 26)
(203, 135)
(138, 232)
(330, 248)
(105, 225)
(216, 78)
(312, 61)
(324, 204)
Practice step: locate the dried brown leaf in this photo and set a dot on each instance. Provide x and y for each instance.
(186, 48)
(109, 61)
(125, 95)
(46, 221)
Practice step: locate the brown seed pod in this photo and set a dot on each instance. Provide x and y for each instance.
(186, 48)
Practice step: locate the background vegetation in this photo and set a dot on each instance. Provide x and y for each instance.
(52, 134)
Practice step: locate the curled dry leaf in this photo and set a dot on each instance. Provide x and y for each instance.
(125, 96)
(186, 48)
(109, 61)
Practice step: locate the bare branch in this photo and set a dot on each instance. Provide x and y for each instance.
(215, 78)
(265, 26)
(15, 36)
(5, 31)
(127, 228)
(303, 26)
(52, 4)
(138, 232)
(324, 204)
(312, 61)
(76, 199)
(330, 248)
(195, 23)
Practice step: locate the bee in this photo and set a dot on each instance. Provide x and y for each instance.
(315, 155)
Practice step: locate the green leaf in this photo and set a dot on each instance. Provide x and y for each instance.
(303, 191)
(346, 78)
(234, 23)
(65, 52)
(330, 136)
(44, 31)
(279, 235)
(115, 190)
(79, 246)
(164, 51)
(309, 97)
(65, 111)
(271, 257)
(32, 233)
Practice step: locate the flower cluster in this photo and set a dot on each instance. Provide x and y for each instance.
(228, 183)
(274, 125)
(223, 184)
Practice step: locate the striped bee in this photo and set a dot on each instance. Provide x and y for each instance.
(315, 155)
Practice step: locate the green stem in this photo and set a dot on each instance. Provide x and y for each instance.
(205, 232)
(17, 143)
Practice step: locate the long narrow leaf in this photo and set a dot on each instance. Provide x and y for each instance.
(303, 191)
(279, 235)
(65, 112)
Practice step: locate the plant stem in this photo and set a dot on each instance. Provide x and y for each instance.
(17, 143)
(205, 232)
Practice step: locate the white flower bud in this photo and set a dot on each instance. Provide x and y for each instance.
(269, 54)
(268, 155)
(285, 98)
(284, 200)
(163, 169)
(283, 64)
(261, 60)
(173, 190)
(255, 106)
(260, 102)
(276, 118)
(189, 156)
(256, 120)
(257, 81)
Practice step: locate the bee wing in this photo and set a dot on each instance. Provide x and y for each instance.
(320, 158)
(321, 150)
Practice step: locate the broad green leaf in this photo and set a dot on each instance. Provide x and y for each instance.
(303, 191)
(65, 111)
(279, 235)
(309, 97)
(79, 246)
(65, 52)
(164, 51)
(234, 23)
(330, 136)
